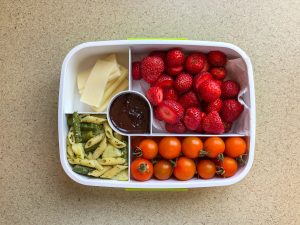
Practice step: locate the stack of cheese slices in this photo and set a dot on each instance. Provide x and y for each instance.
(99, 84)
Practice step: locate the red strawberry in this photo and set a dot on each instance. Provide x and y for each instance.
(209, 91)
(161, 54)
(183, 82)
(155, 95)
(178, 128)
(136, 75)
(227, 126)
(192, 118)
(231, 110)
(230, 89)
(219, 82)
(200, 128)
(170, 94)
(173, 71)
(195, 63)
(170, 111)
(200, 78)
(189, 99)
(206, 66)
(217, 58)
(164, 81)
(156, 115)
(175, 58)
(218, 73)
(151, 68)
(212, 123)
(214, 106)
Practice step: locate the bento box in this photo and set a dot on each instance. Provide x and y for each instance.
(85, 55)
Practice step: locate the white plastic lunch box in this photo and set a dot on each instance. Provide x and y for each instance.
(83, 56)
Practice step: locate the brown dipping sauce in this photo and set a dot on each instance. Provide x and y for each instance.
(130, 113)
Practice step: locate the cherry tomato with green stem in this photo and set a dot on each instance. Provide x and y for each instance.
(141, 169)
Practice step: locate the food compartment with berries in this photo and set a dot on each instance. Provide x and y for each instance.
(192, 89)
(123, 100)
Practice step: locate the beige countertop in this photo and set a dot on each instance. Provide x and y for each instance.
(35, 36)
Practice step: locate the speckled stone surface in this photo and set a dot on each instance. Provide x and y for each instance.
(34, 38)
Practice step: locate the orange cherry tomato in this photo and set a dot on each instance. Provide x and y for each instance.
(228, 167)
(206, 169)
(141, 169)
(149, 148)
(185, 168)
(213, 147)
(169, 147)
(191, 147)
(235, 146)
(163, 169)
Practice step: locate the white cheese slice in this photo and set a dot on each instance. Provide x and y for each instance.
(83, 76)
(112, 85)
(113, 58)
(96, 82)
(115, 74)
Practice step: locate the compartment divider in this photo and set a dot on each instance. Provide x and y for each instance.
(195, 135)
(129, 69)
(92, 113)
